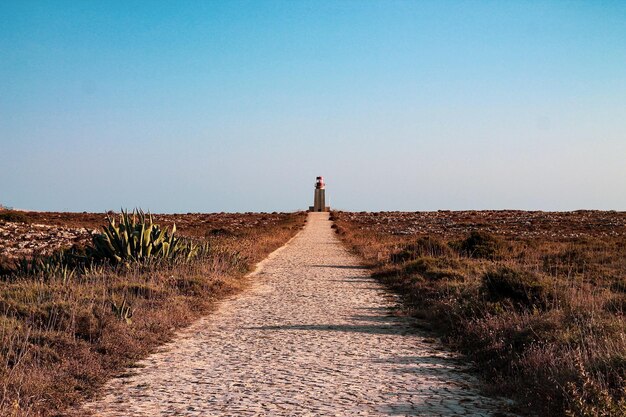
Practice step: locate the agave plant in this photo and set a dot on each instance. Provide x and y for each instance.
(136, 237)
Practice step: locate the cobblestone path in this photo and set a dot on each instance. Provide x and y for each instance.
(313, 336)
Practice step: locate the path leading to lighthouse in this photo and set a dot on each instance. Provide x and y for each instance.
(315, 335)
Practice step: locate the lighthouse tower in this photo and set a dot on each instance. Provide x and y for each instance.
(319, 199)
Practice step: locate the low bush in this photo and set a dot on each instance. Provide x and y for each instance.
(13, 216)
(525, 288)
(423, 246)
(434, 268)
(480, 245)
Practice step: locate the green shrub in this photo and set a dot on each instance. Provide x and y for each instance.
(138, 238)
(522, 287)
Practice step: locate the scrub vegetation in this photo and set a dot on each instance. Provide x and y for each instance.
(535, 299)
(71, 317)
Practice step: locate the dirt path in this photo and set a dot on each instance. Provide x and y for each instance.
(313, 336)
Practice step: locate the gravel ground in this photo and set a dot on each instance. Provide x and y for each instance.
(315, 335)
(21, 240)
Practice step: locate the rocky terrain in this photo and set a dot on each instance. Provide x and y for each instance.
(20, 240)
(44, 232)
(520, 224)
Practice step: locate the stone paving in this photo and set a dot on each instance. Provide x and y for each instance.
(315, 335)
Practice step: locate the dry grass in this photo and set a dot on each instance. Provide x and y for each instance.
(537, 300)
(62, 336)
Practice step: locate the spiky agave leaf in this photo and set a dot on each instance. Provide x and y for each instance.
(136, 238)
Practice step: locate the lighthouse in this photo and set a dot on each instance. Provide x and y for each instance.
(319, 199)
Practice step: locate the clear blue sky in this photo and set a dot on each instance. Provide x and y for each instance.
(180, 106)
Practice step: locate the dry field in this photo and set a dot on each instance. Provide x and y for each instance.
(44, 232)
(514, 223)
(65, 329)
(536, 299)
